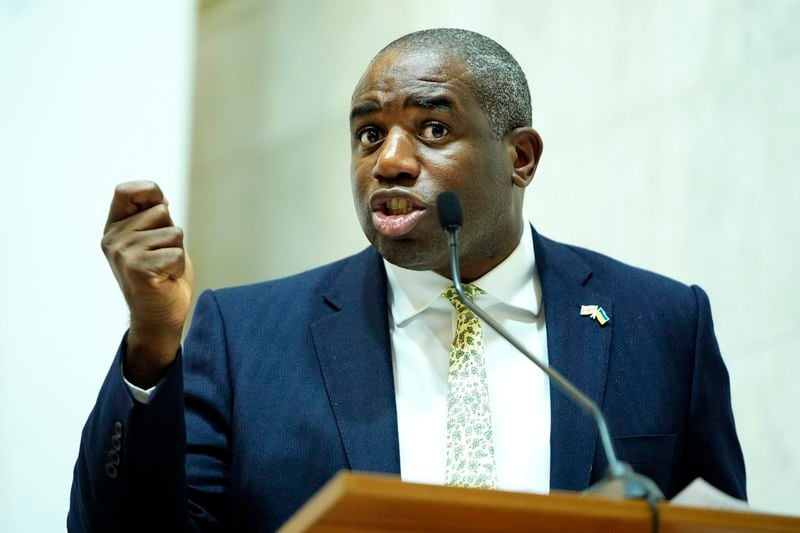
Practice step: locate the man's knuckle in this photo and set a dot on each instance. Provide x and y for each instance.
(160, 210)
(106, 243)
(124, 257)
(115, 253)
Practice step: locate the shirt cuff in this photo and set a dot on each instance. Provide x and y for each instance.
(139, 394)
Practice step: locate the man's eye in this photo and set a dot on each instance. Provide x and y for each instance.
(434, 131)
(369, 136)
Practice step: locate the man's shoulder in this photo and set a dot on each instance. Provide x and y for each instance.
(613, 277)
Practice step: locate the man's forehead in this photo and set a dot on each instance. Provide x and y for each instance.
(392, 71)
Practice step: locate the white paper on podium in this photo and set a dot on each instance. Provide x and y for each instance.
(700, 493)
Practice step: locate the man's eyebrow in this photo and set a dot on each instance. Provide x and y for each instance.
(441, 104)
(362, 110)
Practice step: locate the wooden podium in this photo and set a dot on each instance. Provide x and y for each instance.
(372, 503)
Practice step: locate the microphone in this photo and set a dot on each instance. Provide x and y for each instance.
(451, 215)
(620, 480)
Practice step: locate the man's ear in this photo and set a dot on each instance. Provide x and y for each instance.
(525, 148)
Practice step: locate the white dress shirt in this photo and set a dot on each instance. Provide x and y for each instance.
(422, 325)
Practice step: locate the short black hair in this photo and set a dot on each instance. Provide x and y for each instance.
(498, 83)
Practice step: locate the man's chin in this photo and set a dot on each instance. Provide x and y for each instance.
(411, 254)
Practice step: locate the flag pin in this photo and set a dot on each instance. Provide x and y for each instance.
(596, 313)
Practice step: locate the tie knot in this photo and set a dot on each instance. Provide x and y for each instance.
(470, 291)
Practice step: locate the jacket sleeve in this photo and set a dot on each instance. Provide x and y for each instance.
(712, 447)
(163, 465)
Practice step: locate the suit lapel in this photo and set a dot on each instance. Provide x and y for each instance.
(354, 352)
(578, 347)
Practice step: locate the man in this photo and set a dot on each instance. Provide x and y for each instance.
(353, 365)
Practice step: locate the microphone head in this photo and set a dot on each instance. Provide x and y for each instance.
(449, 208)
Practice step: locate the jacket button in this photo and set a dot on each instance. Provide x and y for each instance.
(111, 470)
(118, 428)
(116, 443)
(113, 457)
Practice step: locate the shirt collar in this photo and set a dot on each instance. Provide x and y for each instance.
(514, 282)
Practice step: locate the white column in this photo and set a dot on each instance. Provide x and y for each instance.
(91, 93)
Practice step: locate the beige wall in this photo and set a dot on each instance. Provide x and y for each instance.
(671, 136)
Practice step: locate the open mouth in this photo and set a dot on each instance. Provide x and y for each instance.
(397, 206)
(395, 215)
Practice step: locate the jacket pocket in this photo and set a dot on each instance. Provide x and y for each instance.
(650, 455)
(638, 449)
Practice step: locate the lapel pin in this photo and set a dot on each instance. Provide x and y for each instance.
(596, 313)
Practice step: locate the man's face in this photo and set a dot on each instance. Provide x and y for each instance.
(416, 130)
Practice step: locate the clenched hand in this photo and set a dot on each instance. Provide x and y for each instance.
(145, 251)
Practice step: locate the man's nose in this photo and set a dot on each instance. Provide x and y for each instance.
(397, 158)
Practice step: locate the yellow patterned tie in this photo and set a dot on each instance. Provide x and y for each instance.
(470, 451)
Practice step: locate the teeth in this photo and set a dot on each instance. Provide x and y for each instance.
(398, 206)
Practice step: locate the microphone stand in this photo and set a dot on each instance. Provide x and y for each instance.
(620, 480)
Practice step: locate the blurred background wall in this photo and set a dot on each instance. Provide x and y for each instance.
(675, 124)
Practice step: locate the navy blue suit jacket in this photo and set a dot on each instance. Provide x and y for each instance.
(284, 383)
